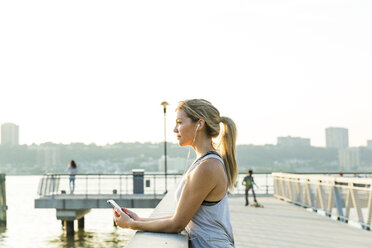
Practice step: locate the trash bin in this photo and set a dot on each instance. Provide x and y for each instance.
(138, 175)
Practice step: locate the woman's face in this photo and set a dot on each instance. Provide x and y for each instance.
(185, 129)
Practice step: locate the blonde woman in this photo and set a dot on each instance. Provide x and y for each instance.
(202, 194)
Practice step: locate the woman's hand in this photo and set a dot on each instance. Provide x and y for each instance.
(132, 214)
(122, 219)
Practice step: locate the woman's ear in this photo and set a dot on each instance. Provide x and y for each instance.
(201, 124)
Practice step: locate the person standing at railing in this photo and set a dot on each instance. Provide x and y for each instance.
(72, 169)
(248, 182)
(202, 201)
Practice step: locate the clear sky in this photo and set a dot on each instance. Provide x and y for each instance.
(97, 71)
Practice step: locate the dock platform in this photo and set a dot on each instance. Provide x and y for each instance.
(280, 224)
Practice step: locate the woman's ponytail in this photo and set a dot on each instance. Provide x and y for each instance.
(227, 148)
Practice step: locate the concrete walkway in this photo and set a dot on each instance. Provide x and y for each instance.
(281, 224)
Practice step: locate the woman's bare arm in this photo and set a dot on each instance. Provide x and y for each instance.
(194, 192)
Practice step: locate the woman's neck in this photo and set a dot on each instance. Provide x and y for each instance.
(202, 146)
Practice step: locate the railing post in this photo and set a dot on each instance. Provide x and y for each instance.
(347, 202)
(154, 179)
(3, 206)
(41, 186)
(299, 191)
(127, 179)
(356, 203)
(120, 184)
(99, 184)
(339, 203)
(46, 185)
(320, 193)
(86, 186)
(308, 193)
(276, 186)
(330, 199)
(369, 215)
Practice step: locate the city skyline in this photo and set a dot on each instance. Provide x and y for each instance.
(276, 68)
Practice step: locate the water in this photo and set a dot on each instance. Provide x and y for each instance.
(30, 227)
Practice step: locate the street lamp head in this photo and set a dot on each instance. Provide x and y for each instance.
(165, 104)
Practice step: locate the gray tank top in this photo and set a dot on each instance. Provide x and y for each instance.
(210, 226)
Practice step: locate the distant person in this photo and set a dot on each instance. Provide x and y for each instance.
(72, 169)
(202, 202)
(248, 182)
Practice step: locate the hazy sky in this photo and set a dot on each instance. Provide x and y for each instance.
(97, 71)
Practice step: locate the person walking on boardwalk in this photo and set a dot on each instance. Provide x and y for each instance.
(202, 201)
(248, 182)
(72, 169)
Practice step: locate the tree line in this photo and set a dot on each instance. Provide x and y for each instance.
(263, 158)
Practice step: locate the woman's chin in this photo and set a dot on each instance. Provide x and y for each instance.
(180, 143)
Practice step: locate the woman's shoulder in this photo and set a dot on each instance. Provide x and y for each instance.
(210, 167)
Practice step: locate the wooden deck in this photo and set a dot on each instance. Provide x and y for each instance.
(281, 224)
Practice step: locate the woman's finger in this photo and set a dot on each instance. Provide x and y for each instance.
(116, 213)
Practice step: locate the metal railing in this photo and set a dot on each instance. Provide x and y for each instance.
(122, 184)
(154, 183)
(263, 180)
(347, 199)
(101, 184)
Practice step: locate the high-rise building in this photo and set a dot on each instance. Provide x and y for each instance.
(293, 141)
(369, 144)
(348, 158)
(9, 134)
(337, 137)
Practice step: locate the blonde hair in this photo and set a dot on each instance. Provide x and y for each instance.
(197, 109)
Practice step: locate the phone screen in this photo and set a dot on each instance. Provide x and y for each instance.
(115, 205)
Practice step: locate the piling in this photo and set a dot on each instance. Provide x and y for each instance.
(81, 223)
(69, 227)
(3, 206)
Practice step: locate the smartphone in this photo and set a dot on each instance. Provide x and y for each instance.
(115, 205)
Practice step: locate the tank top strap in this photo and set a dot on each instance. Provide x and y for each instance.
(212, 155)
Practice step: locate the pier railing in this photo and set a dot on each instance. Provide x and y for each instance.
(347, 199)
(154, 183)
(99, 184)
(263, 180)
(123, 184)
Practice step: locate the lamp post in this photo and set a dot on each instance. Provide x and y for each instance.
(165, 104)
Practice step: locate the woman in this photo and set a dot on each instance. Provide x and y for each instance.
(72, 168)
(202, 204)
